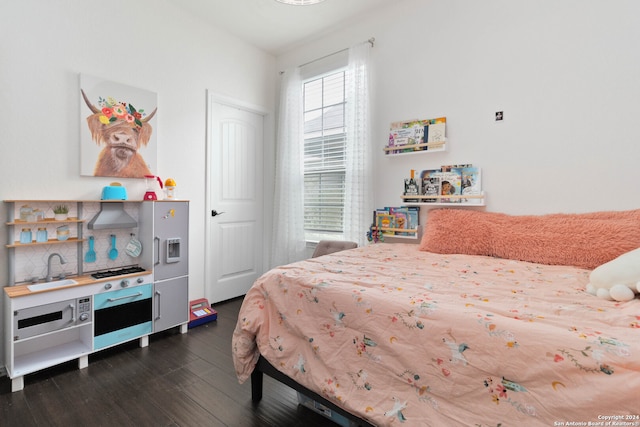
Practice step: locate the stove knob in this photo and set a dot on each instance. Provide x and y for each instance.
(107, 286)
(140, 280)
(124, 283)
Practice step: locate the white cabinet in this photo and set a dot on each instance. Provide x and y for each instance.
(38, 351)
(171, 303)
(44, 329)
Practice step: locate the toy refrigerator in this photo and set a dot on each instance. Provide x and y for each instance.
(164, 233)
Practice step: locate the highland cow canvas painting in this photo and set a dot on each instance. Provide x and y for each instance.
(117, 129)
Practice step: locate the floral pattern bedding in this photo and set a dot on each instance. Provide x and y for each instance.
(398, 336)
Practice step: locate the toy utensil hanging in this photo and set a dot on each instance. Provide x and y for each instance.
(113, 253)
(134, 247)
(91, 253)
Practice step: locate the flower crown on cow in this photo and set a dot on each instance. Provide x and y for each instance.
(113, 110)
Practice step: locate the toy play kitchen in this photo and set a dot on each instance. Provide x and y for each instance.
(107, 297)
(154, 187)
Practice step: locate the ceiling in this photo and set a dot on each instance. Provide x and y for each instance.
(276, 27)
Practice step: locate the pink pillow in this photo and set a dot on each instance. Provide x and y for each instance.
(582, 240)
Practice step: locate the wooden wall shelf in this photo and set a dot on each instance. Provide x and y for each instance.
(48, 242)
(432, 147)
(457, 201)
(413, 233)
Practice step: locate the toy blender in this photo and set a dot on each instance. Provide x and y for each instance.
(151, 187)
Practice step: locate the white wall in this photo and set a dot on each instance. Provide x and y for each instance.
(565, 73)
(150, 44)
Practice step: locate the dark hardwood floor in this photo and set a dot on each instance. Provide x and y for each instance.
(178, 380)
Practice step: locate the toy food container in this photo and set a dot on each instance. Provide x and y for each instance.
(170, 188)
(62, 232)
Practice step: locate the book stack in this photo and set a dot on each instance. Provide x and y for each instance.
(411, 188)
(397, 221)
(451, 183)
(416, 135)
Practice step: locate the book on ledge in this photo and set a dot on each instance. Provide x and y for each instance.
(471, 184)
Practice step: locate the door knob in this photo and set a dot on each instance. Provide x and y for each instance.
(216, 213)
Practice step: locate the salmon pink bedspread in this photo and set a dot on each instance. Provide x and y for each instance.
(398, 336)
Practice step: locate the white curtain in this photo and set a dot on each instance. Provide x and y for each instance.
(288, 221)
(359, 161)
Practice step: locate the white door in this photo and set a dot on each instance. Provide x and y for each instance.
(235, 194)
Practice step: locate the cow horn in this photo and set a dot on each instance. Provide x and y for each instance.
(89, 104)
(150, 116)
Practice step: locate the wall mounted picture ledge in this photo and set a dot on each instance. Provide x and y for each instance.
(117, 123)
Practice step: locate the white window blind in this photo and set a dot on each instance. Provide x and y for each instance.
(324, 155)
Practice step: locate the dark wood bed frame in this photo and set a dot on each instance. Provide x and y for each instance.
(264, 367)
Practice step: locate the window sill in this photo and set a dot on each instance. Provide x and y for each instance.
(312, 239)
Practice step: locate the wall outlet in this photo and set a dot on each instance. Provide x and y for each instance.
(499, 115)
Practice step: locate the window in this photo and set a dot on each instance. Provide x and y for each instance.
(324, 155)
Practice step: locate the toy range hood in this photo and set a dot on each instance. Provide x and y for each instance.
(112, 215)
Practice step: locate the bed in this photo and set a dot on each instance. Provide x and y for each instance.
(486, 322)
